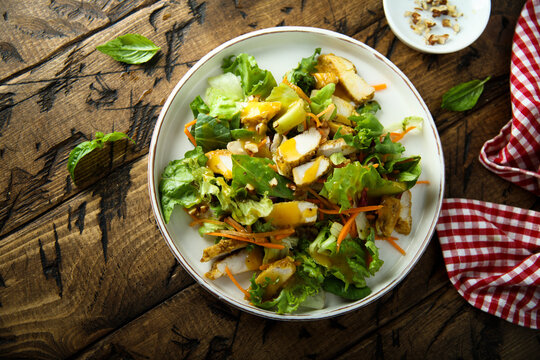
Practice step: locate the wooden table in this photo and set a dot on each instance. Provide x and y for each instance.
(84, 271)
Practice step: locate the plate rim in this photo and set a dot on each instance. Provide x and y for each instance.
(156, 208)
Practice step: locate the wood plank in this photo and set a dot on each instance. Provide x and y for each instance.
(194, 324)
(84, 268)
(31, 33)
(445, 326)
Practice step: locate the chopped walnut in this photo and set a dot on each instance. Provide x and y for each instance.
(437, 39)
(422, 24)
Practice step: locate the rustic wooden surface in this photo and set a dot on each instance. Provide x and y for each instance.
(84, 272)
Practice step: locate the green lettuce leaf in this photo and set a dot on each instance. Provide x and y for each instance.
(335, 286)
(224, 95)
(285, 95)
(348, 264)
(322, 99)
(301, 75)
(349, 181)
(256, 172)
(245, 211)
(387, 146)
(376, 262)
(254, 80)
(211, 133)
(185, 182)
(198, 106)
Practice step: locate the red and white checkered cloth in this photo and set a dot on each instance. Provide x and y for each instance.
(492, 255)
(491, 251)
(514, 154)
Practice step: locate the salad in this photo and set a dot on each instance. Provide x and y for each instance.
(293, 181)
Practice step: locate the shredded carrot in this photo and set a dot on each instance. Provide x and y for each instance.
(392, 241)
(229, 220)
(299, 91)
(240, 238)
(286, 231)
(423, 182)
(351, 210)
(188, 133)
(280, 237)
(262, 143)
(346, 228)
(330, 108)
(395, 137)
(314, 117)
(304, 124)
(273, 167)
(198, 221)
(375, 165)
(378, 87)
(230, 275)
(323, 200)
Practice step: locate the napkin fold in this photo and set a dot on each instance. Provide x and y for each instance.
(492, 251)
(492, 256)
(514, 153)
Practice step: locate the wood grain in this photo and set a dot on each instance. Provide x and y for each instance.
(34, 31)
(93, 263)
(84, 272)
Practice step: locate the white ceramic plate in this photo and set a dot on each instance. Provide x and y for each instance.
(279, 50)
(472, 24)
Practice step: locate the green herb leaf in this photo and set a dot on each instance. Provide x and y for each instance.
(257, 173)
(338, 287)
(301, 75)
(86, 147)
(211, 133)
(463, 96)
(255, 81)
(198, 106)
(130, 49)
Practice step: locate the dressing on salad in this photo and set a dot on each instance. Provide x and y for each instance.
(293, 181)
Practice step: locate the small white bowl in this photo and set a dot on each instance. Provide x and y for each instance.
(279, 50)
(472, 24)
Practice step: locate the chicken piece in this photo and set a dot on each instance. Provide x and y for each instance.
(220, 161)
(344, 109)
(256, 113)
(356, 87)
(404, 223)
(343, 129)
(335, 146)
(238, 262)
(323, 79)
(275, 276)
(387, 216)
(297, 150)
(309, 172)
(293, 213)
(223, 247)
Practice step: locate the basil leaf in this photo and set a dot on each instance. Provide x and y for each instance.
(463, 96)
(130, 49)
(335, 286)
(86, 147)
(211, 133)
(198, 106)
(257, 173)
(242, 134)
